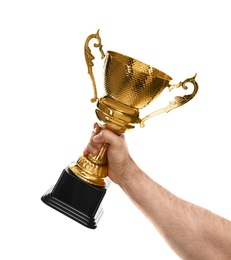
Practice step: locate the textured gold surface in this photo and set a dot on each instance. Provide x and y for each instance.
(129, 86)
(132, 82)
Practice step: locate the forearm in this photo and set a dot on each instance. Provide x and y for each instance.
(191, 231)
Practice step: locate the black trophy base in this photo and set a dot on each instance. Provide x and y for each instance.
(76, 199)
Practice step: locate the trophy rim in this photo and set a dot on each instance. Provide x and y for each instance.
(152, 70)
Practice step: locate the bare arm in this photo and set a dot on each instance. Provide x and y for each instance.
(191, 231)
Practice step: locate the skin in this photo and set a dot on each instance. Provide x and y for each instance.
(191, 231)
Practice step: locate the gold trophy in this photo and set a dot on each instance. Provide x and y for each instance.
(129, 86)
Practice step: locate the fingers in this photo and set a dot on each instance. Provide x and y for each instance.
(93, 147)
(107, 136)
(99, 136)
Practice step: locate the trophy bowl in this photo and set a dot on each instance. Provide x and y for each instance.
(132, 82)
(131, 85)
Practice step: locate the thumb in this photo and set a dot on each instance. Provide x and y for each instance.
(106, 136)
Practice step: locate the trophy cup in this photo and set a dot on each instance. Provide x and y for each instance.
(129, 86)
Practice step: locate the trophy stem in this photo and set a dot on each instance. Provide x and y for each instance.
(92, 169)
(101, 158)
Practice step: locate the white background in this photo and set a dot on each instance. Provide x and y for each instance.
(47, 117)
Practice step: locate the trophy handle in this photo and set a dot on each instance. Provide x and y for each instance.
(179, 101)
(89, 59)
